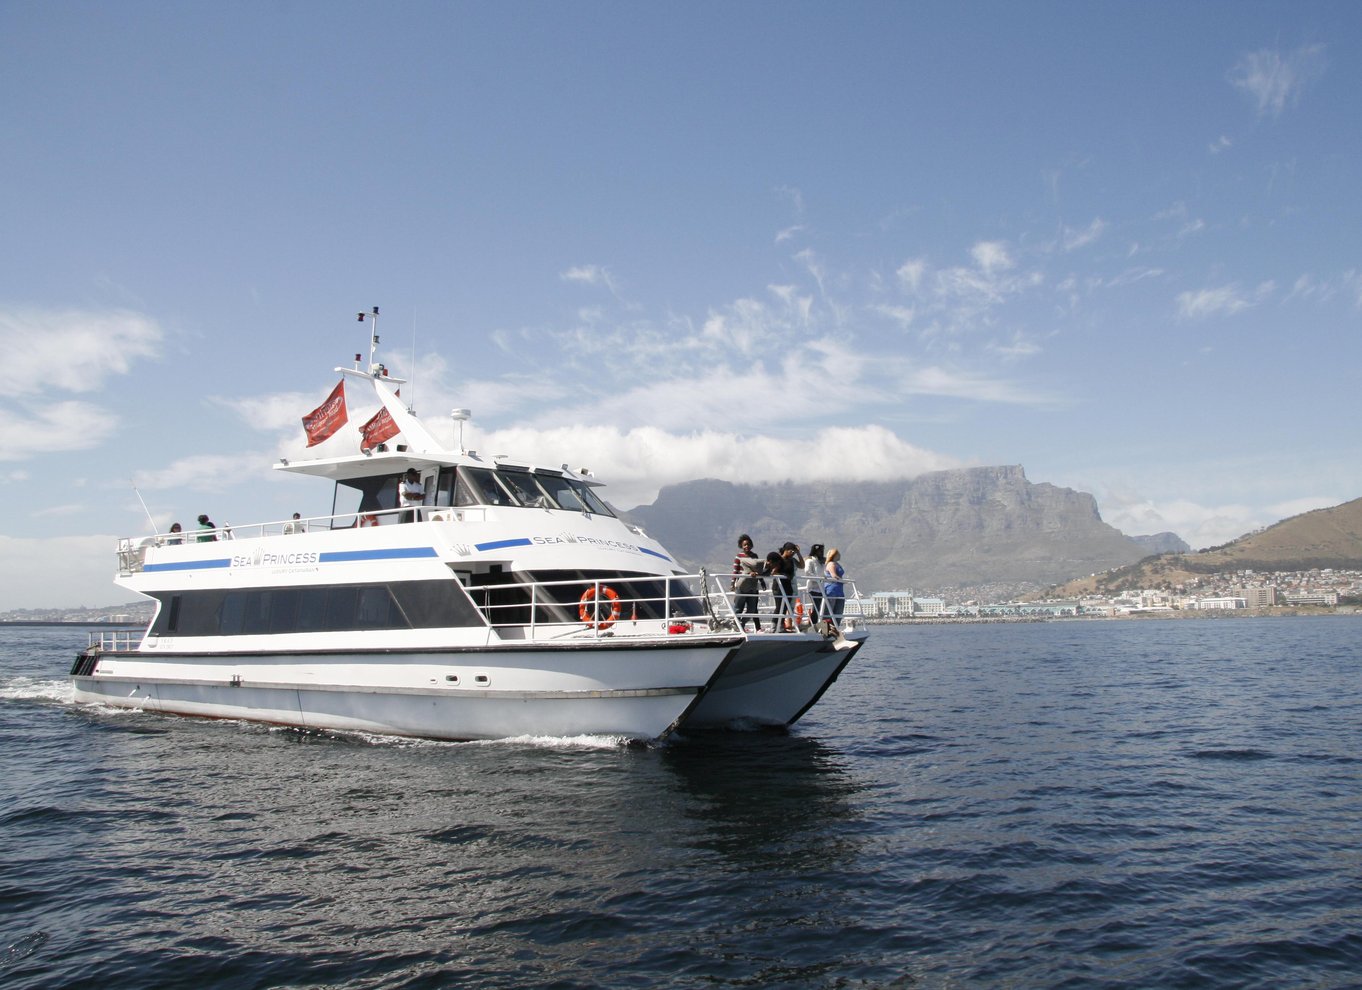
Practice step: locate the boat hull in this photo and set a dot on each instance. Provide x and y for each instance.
(638, 693)
(774, 679)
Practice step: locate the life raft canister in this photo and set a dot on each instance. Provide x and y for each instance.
(589, 610)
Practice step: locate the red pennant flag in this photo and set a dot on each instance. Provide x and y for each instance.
(327, 418)
(380, 427)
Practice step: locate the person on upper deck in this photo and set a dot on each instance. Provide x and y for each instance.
(294, 525)
(176, 535)
(207, 531)
(746, 565)
(412, 494)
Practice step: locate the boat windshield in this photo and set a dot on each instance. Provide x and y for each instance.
(482, 486)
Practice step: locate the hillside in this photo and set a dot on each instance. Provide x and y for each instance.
(947, 529)
(1320, 539)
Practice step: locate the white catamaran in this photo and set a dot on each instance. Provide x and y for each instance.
(509, 600)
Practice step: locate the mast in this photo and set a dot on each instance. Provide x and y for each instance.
(419, 439)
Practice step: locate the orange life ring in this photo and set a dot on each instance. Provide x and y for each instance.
(588, 610)
(368, 519)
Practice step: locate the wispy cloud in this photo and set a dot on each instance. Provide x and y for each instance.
(203, 472)
(1275, 81)
(591, 275)
(910, 273)
(1072, 239)
(71, 350)
(54, 426)
(1224, 300)
(1352, 280)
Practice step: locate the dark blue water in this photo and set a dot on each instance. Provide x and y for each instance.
(1104, 804)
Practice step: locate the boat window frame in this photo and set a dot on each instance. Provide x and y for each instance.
(472, 481)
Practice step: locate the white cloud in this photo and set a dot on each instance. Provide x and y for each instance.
(203, 472)
(56, 426)
(636, 462)
(910, 273)
(1075, 239)
(1223, 301)
(991, 256)
(71, 350)
(1274, 81)
(1019, 346)
(1352, 281)
(592, 275)
(1311, 289)
(1222, 143)
(1200, 525)
(900, 315)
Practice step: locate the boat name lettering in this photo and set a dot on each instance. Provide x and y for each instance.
(590, 541)
(262, 559)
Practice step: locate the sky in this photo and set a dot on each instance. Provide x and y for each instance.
(1117, 243)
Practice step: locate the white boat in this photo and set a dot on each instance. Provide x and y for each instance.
(511, 601)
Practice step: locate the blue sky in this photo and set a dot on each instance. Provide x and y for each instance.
(1116, 243)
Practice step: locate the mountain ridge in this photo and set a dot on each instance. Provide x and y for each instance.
(1319, 539)
(959, 528)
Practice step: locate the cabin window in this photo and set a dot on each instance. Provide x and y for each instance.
(444, 489)
(331, 608)
(481, 486)
(478, 487)
(356, 496)
(522, 485)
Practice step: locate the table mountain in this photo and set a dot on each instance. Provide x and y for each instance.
(946, 529)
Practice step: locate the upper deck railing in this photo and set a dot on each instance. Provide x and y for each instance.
(132, 550)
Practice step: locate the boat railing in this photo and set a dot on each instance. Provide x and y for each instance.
(115, 640)
(607, 606)
(808, 605)
(132, 550)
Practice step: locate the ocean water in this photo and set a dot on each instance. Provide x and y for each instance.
(1067, 804)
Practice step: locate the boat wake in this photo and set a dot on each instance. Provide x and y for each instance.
(357, 737)
(36, 689)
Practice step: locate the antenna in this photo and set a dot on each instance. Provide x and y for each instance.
(411, 388)
(460, 416)
(144, 508)
(373, 339)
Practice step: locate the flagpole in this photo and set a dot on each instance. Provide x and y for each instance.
(373, 339)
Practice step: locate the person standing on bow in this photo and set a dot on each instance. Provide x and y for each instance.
(834, 588)
(746, 565)
(782, 566)
(813, 570)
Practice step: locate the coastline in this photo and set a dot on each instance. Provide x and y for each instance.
(1296, 611)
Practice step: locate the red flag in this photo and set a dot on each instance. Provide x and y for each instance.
(327, 418)
(380, 427)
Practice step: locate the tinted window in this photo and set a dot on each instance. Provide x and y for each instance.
(333, 608)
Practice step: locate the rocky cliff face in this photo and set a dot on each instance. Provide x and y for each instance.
(966, 527)
(1162, 543)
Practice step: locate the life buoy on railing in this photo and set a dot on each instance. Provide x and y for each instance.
(368, 519)
(589, 610)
